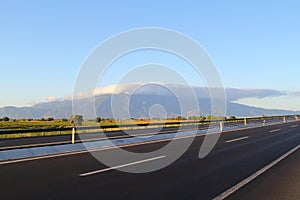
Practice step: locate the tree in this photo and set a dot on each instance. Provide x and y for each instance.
(98, 119)
(5, 119)
(232, 117)
(179, 117)
(202, 118)
(76, 119)
(50, 119)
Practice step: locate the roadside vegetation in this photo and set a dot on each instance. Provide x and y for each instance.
(77, 120)
(7, 123)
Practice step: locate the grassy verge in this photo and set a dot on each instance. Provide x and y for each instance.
(36, 124)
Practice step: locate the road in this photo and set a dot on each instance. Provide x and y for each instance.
(237, 155)
(283, 177)
(27, 142)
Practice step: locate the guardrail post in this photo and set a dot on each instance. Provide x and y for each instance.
(221, 126)
(284, 120)
(264, 122)
(73, 135)
(245, 121)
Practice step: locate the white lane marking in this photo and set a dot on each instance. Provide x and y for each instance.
(237, 139)
(97, 149)
(120, 166)
(276, 130)
(294, 126)
(253, 176)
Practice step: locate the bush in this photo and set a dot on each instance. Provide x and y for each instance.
(50, 119)
(201, 118)
(232, 117)
(76, 119)
(5, 119)
(98, 119)
(179, 117)
(211, 117)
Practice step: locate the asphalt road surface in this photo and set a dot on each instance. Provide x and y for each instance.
(282, 182)
(237, 155)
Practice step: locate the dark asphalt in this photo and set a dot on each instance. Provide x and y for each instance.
(282, 182)
(187, 178)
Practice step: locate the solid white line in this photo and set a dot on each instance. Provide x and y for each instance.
(42, 157)
(237, 139)
(33, 145)
(96, 149)
(276, 130)
(253, 176)
(120, 166)
(294, 126)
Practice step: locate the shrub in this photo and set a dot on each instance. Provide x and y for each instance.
(98, 119)
(5, 119)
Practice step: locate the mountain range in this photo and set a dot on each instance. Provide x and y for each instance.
(140, 100)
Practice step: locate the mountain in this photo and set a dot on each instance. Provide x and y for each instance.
(143, 101)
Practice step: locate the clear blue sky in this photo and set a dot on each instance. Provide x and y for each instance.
(254, 44)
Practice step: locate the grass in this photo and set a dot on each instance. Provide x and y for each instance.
(24, 135)
(35, 124)
(22, 124)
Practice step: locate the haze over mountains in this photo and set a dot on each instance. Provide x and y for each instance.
(140, 100)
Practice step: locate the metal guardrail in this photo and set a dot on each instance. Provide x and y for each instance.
(39, 130)
(182, 123)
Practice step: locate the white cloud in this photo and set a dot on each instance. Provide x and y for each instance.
(52, 98)
(264, 98)
(285, 102)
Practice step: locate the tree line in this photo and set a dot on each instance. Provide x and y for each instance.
(78, 119)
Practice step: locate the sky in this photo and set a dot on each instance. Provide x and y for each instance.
(254, 44)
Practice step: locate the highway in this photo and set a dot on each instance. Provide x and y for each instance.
(284, 179)
(26, 142)
(237, 155)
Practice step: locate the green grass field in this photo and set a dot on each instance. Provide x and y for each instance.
(34, 124)
(25, 124)
(21, 124)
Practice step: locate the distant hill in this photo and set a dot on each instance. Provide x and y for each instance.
(141, 102)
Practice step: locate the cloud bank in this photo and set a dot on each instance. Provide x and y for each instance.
(264, 98)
